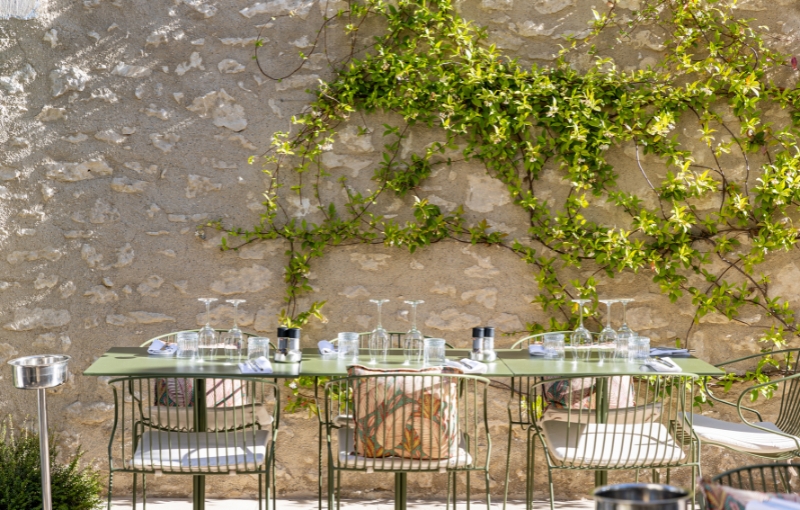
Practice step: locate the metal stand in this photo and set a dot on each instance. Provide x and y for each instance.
(44, 450)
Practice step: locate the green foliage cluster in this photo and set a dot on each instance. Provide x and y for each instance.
(73, 487)
(434, 69)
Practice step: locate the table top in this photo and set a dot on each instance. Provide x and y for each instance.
(521, 364)
(135, 362)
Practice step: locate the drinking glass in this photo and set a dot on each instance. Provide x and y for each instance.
(206, 336)
(257, 346)
(348, 346)
(187, 345)
(608, 337)
(553, 346)
(639, 350)
(581, 339)
(379, 339)
(412, 344)
(624, 334)
(234, 339)
(434, 352)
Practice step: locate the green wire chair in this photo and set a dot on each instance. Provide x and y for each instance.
(577, 432)
(441, 423)
(235, 436)
(173, 337)
(767, 440)
(395, 340)
(760, 477)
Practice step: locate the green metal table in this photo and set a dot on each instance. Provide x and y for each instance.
(521, 364)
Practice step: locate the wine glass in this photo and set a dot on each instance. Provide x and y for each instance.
(234, 339)
(608, 337)
(413, 342)
(581, 338)
(206, 336)
(379, 339)
(624, 334)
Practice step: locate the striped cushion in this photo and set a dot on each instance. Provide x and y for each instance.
(219, 392)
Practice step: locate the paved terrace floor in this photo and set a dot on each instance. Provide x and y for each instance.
(298, 504)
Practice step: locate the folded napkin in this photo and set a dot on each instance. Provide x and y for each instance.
(260, 365)
(669, 351)
(664, 365)
(536, 350)
(162, 349)
(325, 347)
(468, 366)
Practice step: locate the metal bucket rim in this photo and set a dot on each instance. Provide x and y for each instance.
(20, 362)
(655, 486)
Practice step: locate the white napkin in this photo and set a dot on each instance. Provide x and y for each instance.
(468, 366)
(668, 351)
(162, 349)
(325, 347)
(664, 365)
(772, 504)
(262, 364)
(536, 350)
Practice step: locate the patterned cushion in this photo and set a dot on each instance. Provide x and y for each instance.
(403, 416)
(219, 392)
(720, 497)
(583, 393)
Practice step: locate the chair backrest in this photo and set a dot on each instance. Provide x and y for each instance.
(395, 340)
(408, 421)
(153, 431)
(173, 336)
(635, 432)
(789, 414)
(761, 478)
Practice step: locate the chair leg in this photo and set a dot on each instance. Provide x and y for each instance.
(338, 490)
(133, 496)
(110, 487)
(468, 489)
(144, 491)
(488, 491)
(447, 490)
(529, 444)
(260, 481)
(552, 491)
(655, 476)
(508, 465)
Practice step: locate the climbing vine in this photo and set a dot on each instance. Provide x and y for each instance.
(722, 180)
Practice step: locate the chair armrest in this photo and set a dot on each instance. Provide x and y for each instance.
(757, 355)
(725, 402)
(756, 387)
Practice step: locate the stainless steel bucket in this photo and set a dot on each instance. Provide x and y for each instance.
(43, 371)
(640, 496)
(39, 373)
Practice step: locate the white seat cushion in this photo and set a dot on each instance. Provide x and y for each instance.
(611, 445)
(351, 460)
(740, 436)
(201, 452)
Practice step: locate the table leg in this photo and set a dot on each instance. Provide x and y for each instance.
(319, 447)
(601, 416)
(200, 418)
(400, 488)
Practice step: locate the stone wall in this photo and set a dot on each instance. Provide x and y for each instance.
(126, 123)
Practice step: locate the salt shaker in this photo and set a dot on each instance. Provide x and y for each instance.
(477, 345)
(489, 353)
(293, 354)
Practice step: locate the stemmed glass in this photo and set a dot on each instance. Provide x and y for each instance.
(413, 343)
(234, 339)
(608, 337)
(624, 334)
(206, 336)
(581, 339)
(379, 339)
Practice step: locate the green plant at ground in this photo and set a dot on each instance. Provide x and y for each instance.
(717, 204)
(73, 487)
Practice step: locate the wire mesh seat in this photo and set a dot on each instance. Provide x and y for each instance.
(406, 421)
(620, 422)
(228, 439)
(753, 435)
(761, 477)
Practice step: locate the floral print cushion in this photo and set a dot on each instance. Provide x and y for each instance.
(405, 416)
(721, 497)
(219, 392)
(581, 393)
